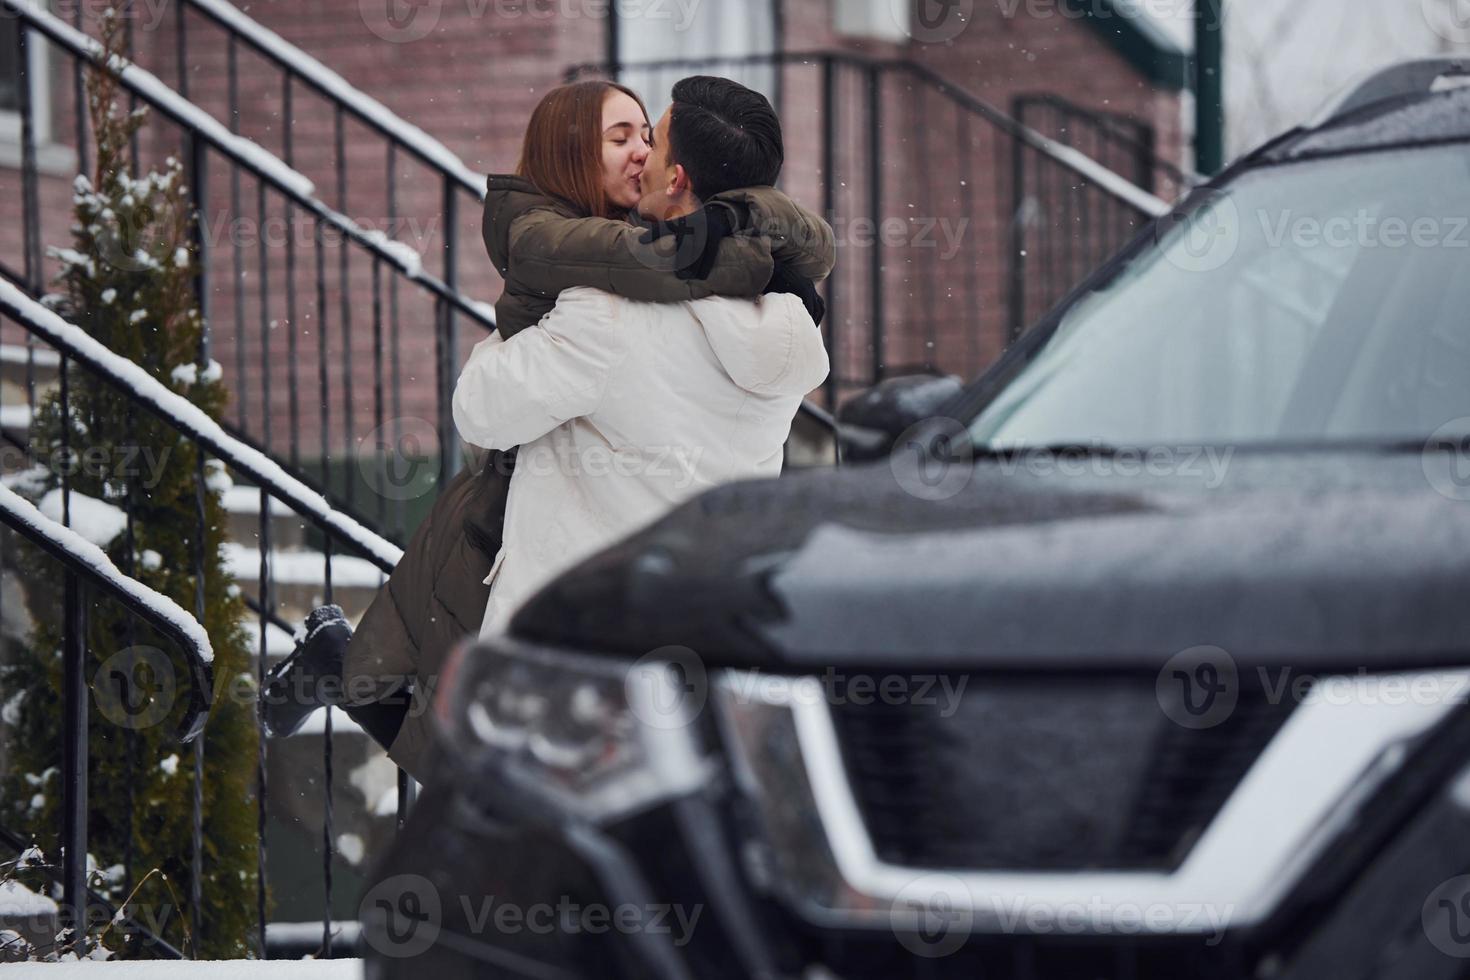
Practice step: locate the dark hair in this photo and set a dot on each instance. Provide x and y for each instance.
(562, 151)
(724, 135)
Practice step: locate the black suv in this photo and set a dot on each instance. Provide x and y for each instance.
(1146, 655)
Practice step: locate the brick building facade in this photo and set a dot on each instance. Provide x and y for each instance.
(923, 201)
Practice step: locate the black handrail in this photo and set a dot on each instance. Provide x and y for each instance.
(147, 393)
(299, 69)
(1104, 131)
(87, 564)
(234, 26)
(141, 391)
(203, 136)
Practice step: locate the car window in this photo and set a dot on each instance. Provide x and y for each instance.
(1319, 300)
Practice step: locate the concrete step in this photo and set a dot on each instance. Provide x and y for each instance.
(242, 509)
(298, 579)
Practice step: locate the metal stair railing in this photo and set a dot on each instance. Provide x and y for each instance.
(340, 533)
(347, 430)
(88, 570)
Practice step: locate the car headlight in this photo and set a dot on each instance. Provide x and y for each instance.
(593, 737)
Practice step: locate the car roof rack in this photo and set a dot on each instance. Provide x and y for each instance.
(1407, 78)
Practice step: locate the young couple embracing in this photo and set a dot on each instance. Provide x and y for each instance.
(657, 333)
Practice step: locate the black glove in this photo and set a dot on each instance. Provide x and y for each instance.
(697, 238)
(785, 280)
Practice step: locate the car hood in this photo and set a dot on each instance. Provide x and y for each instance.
(1317, 558)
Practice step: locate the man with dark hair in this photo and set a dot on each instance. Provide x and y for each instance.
(622, 410)
(721, 134)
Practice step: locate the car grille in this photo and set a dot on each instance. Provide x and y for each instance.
(1024, 776)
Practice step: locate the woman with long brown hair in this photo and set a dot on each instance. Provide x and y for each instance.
(560, 221)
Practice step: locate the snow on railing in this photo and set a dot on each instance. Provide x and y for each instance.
(41, 529)
(148, 85)
(363, 105)
(75, 343)
(252, 156)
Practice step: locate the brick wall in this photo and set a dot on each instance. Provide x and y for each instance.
(472, 80)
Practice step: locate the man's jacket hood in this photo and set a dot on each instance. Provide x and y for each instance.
(777, 352)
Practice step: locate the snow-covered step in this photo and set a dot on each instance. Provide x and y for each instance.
(15, 420)
(302, 567)
(278, 642)
(298, 579)
(45, 370)
(45, 362)
(242, 510)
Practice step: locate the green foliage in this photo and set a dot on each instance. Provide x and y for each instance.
(130, 253)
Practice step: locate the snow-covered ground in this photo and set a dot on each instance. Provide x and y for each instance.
(207, 969)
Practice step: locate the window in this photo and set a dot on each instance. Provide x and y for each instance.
(51, 158)
(9, 67)
(10, 85)
(883, 20)
(704, 33)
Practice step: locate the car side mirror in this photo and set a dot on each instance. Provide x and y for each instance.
(873, 421)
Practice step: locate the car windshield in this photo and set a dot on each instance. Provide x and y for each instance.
(1321, 301)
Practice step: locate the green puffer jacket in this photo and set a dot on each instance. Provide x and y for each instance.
(540, 246)
(436, 596)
